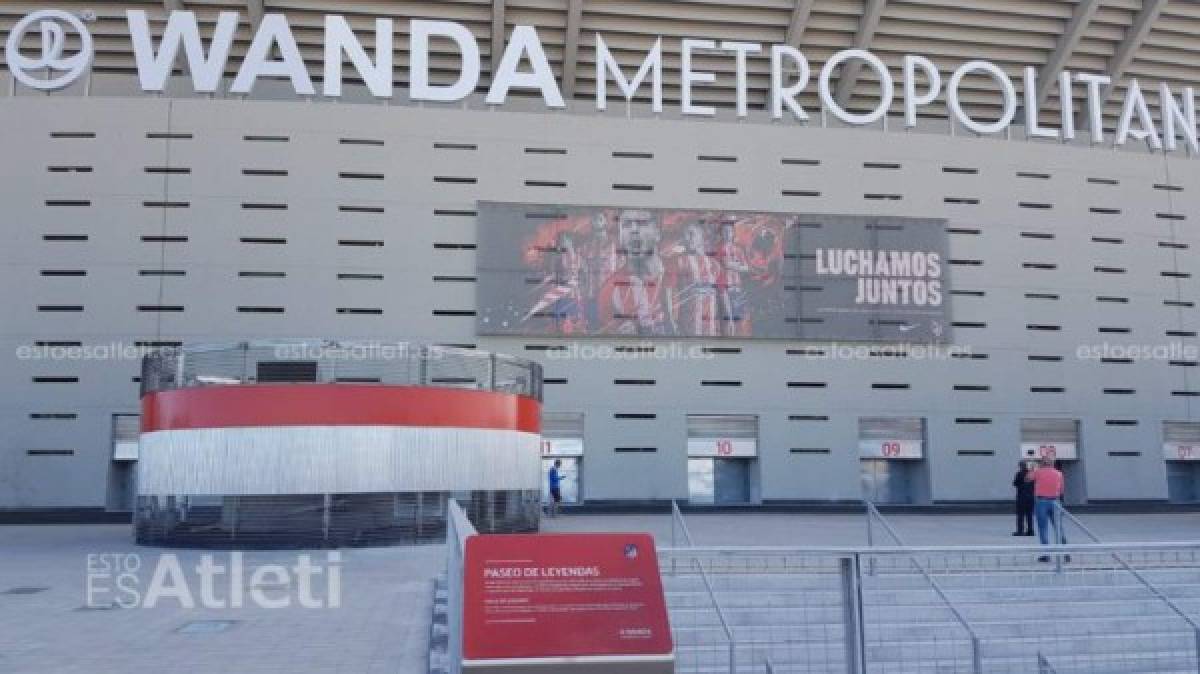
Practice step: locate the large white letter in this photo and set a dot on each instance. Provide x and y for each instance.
(273, 30)
(1095, 109)
(153, 70)
(687, 77)
(780, 95)
(886, 86)
(525, 42)
(911, 99)
(605, 64)
(1136, 102)
(1171, 114)
(1008, 93)
(1066, 102)
(1032, 128)
(740, 50)
(339, 38)
(419, 88)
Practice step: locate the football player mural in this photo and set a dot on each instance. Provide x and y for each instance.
(643, 272)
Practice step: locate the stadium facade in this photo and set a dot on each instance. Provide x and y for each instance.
(790, 252)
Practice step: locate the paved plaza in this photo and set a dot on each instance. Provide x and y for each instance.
(382, 623)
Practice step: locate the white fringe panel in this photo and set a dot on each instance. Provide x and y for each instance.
(337, 459)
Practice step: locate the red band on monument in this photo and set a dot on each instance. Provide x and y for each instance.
(263, 405)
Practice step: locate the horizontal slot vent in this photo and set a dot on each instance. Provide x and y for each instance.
(361, 141)
(361, 209)
(50, 452)
(453, 312)
(635, 415)
(546, 150)
(169, 135)
(717, 190)
(635, 450)
(808, 417)
(364, 311)
(360, 277)
(630, 187)
(262, 274)
(53, 416)
(348, 175)
(55, 380)
(60, 308)
(166, 170)
(962, 170)
(809, 450)
(64, 272)
(67, 237)
(264, 207)
(455, 180)
(277, 173)
(275, 241)
(627, 154)
(801, 193)
(633, 382)
(1107, 239)
(1045, 359)
(360, 243)
(260, 310)
(265, 139)
(160, 308)
(721, 382)
(455, 146)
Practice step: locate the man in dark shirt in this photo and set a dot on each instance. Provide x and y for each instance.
(1023, 483)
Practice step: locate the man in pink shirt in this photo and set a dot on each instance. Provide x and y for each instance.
(1048, 490)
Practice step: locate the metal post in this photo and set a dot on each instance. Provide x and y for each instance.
(732, 658)
(852, 614)
(327, 501)
(976, 655)
(870, 537)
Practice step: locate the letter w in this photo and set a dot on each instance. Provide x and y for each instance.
(206, 70)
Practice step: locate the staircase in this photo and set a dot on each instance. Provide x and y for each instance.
(1093, 617)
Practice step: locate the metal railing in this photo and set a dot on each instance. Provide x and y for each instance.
(458, 530)
(677, 520)
(347, 362)
(933, 609)
(873, 514)
(1145, 582)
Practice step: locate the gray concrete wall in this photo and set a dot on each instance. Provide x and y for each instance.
(121, 211)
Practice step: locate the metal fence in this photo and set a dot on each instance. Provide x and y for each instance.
(352, 362)
(893, 608)
(458, 530)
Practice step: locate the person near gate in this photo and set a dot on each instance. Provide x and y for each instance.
(1023, 484)
(555, 478)
(1048, 492)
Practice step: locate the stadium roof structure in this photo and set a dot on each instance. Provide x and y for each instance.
(1154, 40)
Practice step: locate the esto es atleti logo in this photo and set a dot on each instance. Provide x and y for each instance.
(50, 67)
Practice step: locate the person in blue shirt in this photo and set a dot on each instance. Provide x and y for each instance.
(555, 478)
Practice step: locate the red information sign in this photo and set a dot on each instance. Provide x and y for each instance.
(563, 595)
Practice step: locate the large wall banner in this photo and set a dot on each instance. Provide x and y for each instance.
(554, 270)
